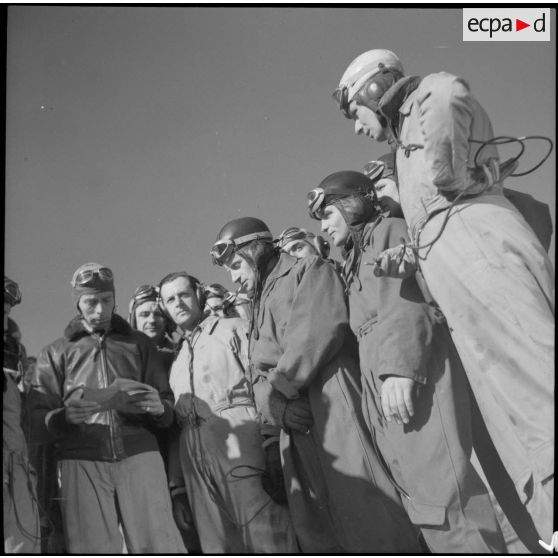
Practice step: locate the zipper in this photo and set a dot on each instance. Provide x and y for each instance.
(101, 341)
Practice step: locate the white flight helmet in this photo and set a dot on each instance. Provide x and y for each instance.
(360, 70)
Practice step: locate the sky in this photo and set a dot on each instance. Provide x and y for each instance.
(134, 133)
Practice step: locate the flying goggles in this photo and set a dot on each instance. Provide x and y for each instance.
(290, 234)
(375, 170)
(223, 250)
(213, 292)
(12, 294)
(341, 94)
(316, 203)
(145, 292)
(87, 276)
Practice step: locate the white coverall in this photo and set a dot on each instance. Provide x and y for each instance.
(221, 454)
(491, 277)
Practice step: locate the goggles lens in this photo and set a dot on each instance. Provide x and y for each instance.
(316, 200)
(222, 251)
(88, 276)
(375, 170)
(12, 293)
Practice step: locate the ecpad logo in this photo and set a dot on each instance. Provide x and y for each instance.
(506, 24)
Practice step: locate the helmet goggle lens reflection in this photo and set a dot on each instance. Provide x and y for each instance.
(316, 200)
(12, 292)
(88, 276)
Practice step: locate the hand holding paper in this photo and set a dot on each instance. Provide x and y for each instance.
(148, 402)
(125, 396)
(78, 410)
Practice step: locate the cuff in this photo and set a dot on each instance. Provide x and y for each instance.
(419, 378)
(269, 430)
(270, 403)
(55, 421)
(280, 382)
(165, 419)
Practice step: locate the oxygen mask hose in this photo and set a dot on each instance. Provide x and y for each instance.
(507, 168)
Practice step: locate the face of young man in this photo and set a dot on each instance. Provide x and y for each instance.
(150, 319)
(300, 249)
(334, 225)
(181, 302)
(366, 122)
(97, 309)
(242, 273)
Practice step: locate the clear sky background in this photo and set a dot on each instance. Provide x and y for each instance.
(134, 133)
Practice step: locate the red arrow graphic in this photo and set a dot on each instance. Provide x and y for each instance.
(519, 25)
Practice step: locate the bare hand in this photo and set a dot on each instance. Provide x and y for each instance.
(398, 261)
(79, 410)
(181, 512)
(150, 403)
(298, 415)
(397, 398)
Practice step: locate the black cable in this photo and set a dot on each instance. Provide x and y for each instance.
(504, 140)
(532, 169)
(499, 140)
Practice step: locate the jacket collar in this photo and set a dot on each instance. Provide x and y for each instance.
(283, 266)
(207, 324)
(285, 263)
(396, 98)
(76, 329)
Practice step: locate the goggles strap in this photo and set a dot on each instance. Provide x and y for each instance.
(263, 235)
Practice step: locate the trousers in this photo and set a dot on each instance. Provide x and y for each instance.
(98, 496)
(21, 516)
(222, 460)
(495, 284)
(430, 457)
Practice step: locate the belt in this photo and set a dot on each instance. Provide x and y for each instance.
(194, 419)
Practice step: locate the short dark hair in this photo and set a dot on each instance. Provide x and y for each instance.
(193, 281)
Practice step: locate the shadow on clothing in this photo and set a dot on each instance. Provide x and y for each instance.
(501, 483)
(224, 468)
(339, 493)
